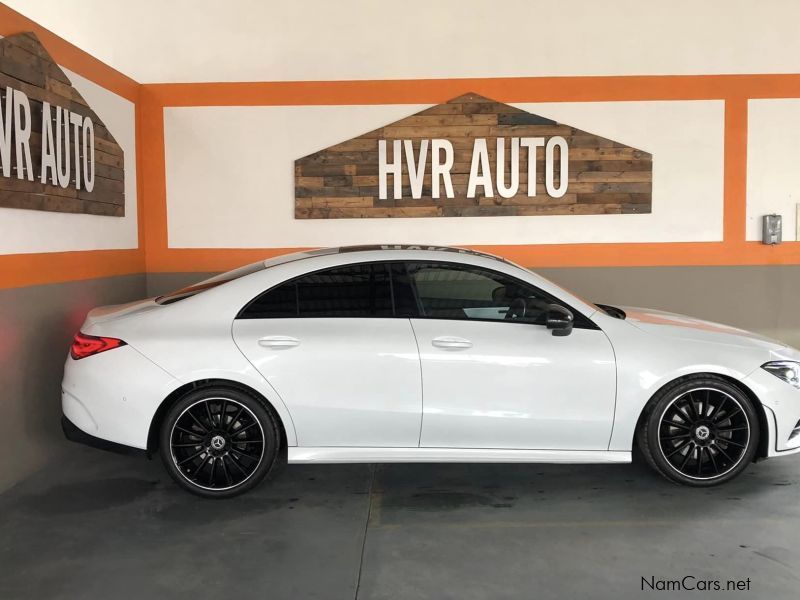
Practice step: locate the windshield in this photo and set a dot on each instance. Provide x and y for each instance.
(207, 284)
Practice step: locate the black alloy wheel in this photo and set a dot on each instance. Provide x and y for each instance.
(218, 442)
(700, 432)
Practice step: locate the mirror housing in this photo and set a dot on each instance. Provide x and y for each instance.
(559, 320)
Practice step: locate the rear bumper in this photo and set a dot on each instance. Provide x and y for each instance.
(74, 434)
(114, 395)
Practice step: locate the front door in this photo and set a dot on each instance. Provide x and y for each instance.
(494, 376)
(347, 370)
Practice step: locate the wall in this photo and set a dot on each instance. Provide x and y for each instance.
(54, 267)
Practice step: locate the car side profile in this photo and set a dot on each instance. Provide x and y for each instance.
(419, 354)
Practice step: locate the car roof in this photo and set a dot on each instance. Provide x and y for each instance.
(374, 247)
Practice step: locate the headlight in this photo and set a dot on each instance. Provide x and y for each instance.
(787, 370)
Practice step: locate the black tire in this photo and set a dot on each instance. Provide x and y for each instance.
(218, 442)
(699, 431)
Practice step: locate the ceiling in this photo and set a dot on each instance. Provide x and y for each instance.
(263, 40)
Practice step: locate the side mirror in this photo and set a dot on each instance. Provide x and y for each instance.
(559, 320)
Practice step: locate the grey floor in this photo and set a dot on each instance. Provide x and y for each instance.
(97, 525)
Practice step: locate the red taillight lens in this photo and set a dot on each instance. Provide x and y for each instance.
(85, 345)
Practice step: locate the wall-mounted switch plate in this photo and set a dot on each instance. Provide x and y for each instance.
(771, 229)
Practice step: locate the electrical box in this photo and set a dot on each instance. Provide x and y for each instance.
(771, 229)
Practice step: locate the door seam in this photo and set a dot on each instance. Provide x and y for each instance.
(421, 385)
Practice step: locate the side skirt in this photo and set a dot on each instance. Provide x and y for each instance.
(300, 455)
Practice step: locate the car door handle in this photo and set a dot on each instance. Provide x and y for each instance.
(451, 343)
(278, 341)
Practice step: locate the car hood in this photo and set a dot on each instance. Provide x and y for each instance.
(681, 326)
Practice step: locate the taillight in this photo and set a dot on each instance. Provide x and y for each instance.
(85, 345)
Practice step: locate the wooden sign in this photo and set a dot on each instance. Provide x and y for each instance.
(473, 157)
(55, 152)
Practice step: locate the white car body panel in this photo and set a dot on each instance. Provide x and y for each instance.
(116, 396)
(515, 386)
(379, 391)
(346, 382)
(305, 455)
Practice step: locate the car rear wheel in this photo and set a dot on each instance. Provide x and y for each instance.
(218, 442)
(700, 431)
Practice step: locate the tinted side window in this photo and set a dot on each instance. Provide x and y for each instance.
(451, 291)
(348, 291)
(405, 299)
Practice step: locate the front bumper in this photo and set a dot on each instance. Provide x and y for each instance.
(781, 402)
(74, 434)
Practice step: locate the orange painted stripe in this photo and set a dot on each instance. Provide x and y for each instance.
(152, 169)
(502, 89)
(69, 56)
(21, 270)
(735, 170)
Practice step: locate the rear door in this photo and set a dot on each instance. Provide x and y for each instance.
(346, 368)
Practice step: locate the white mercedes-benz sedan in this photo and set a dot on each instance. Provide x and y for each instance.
(419, 354)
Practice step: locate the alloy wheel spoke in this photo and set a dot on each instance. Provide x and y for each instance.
(733, 413)
(692, 408)
(688, 456)
(188, 432)
(235, 419)
(732, 429)
(243, 429)
(713, 460)
(225, 472)
(207, 404)
(197, 471)
(213, 470)
(238, 466)
(222, 410)
(196, 420)
(679, 425)
(191, 457)
(732, 443)
(677, 449)
(245, 454)
(725, 454)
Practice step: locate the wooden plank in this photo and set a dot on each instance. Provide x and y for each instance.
(25, 65)
(525, 200)
(471, 131)
(453, 120)
(337, 202)
(442, 109)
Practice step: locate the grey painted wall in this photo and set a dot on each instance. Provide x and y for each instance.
(36, 326)
(759, 298)
(763, 299)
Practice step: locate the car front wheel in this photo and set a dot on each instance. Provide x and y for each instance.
(217, 442)
(700, 431)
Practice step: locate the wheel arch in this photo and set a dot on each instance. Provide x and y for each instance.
(178, 393)
(763, 440)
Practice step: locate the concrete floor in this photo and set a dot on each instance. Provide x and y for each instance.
(98, 525)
